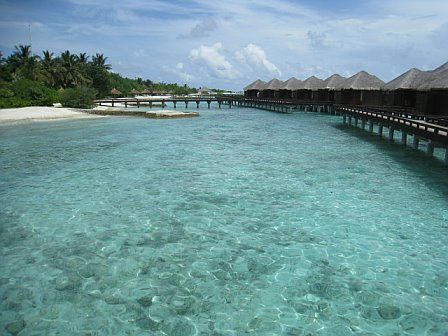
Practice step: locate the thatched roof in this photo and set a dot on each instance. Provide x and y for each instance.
(256, 85)
(146, 91)
(436, 79)
(134, 91)
(411, 79)
(312, 83)
(114, 91)
(361, 81)
(291, 84)
(273, 84)
(333, 81)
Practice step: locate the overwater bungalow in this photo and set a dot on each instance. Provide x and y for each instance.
(253, 89)
(308, 90)
(272, 88)
(421, 92)
(360, 89)
(435, 89)
(417, 91)
(327, 93)
(402, 91)
(289, 87)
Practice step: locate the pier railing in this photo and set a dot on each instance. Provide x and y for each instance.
(429, 129)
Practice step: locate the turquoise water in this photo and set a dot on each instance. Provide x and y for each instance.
(239, 222)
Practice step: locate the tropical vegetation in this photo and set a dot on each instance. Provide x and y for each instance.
(74, 80)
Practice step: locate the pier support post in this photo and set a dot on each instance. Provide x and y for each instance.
(163, 104)
(344, 119)
(349, 120)
(415, 142)
(391, 133)
(371, 127)
(356, 122)
(363, 124)
(446, 156)
(186, 104)
(208, 104)
(404, 138)
(230, 104)
(174, 103)
(197, 104)
(380, 130)
(430, 148)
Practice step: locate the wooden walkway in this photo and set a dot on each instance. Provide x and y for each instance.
(433, 131)
(162, 102)
(286, 106)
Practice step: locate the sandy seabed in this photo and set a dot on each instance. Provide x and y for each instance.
(38, 113)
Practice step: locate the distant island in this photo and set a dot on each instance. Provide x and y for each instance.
(74, 80)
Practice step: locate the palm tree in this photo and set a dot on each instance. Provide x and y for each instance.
(100, 61)
(23, 64)
(18, 58)
(83, 58)
(52, 69)
(22, 52)
(71, 71)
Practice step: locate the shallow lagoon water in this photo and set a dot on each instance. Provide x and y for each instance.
(239, 222)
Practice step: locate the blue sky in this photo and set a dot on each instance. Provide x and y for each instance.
(230, 43)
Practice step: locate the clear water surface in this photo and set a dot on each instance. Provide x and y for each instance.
(239, 222)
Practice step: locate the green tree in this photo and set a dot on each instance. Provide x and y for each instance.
(99, 80)
(78, 97)
(83, 58)
(5, 74)
(23, 64)
(71, 70)
(52, 70)
(25, 92)
(19, 57)
(100, 61)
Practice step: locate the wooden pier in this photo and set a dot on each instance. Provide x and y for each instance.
(433, 131)
(162, 102)
(286, 106)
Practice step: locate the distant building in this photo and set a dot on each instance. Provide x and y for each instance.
(204, 91)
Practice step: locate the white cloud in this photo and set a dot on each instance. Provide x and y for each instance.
(255, 57)
(179, 72)
(209, 58)
(202, 29)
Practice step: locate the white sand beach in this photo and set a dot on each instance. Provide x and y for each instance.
(39, 113)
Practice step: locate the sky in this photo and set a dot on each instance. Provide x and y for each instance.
(228, 44)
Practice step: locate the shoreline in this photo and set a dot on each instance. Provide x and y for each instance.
(40, 113)
(49, 113)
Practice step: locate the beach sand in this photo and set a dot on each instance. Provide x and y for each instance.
(38, 113)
